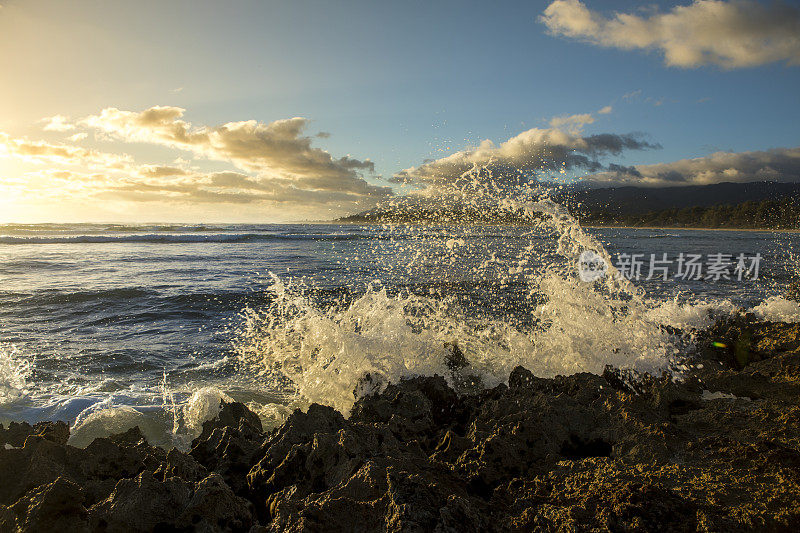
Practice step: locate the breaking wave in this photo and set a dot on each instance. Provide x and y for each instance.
(334, 353)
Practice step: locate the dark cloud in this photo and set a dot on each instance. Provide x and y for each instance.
(778, 164)
(530, 153)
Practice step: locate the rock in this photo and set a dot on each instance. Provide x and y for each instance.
(16, 433)
(56, 506)
(181, 465)
(214, 507)
(141, 504)
(284, 453)
(714, 449)
(37, 463)
(228, 443)
(455, 359)
(234, 415)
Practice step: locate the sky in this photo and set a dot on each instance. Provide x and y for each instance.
(278, 111)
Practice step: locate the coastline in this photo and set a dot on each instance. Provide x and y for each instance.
(757, 230)
(593, 226)
(715, 450)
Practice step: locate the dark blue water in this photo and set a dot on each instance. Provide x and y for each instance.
(102, 313)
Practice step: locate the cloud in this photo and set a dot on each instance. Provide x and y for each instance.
(605, 110)
(778, 164)
(170, 185)
(633, 95)
(277, 149)
(530, 154)
(78, 137)
(58, 123)
(733, 34)
(159, 171)
(572, 122)
(276, 166)
(227, 187)
(44, 152)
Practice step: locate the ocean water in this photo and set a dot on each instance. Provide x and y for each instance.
(110, 326)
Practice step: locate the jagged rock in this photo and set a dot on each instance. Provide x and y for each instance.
(285, 450)
(141, 504)
(415, 409)
(740, 341)
(234, 415)
(227, 444)
(214, 507)
(37, 463)
(16, 433)
(56, 506)
(181, 465)
(147, 504)
(715, 449)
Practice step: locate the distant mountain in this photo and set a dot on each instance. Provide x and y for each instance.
(751, 205)
(640, 200)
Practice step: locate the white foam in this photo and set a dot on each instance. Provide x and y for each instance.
(719, 395)
(688, 315)
(324, 353)
(777, 309)
(203, 405)
(14, 373)
(168, 424)
(103, 422)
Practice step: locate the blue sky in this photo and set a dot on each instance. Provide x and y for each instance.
(393, 82)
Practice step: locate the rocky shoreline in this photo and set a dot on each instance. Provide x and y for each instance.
(716, 451)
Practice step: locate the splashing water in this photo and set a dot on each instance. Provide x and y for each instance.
(171, 424)
(14, 374)
(331, 354)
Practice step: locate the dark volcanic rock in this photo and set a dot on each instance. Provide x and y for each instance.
(227, 444)
(716, 450)
(146, 504)
(16, 433)
(56, 506)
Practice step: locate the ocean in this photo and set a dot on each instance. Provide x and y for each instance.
(109, 326)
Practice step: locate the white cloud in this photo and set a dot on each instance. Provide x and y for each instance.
(605, 110)
(58, 123)
(278, 166)
(732, 34)
(44, 152)
(633, 95)
(573, 123)
(277, 149)
(779, 164)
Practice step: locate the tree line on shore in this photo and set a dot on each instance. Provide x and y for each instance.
(766, 214)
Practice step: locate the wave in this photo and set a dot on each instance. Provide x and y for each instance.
(178, 238)
(59, 297)
(325, 353)
(131, 228)
(190, 238)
